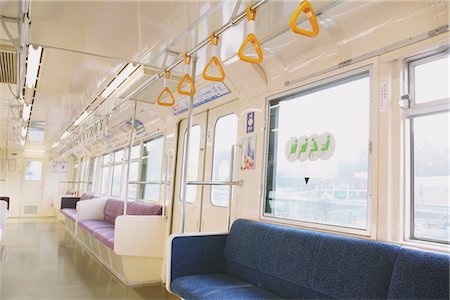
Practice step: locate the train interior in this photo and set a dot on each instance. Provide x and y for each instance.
(224, 149)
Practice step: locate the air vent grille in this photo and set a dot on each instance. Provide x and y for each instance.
(8, 66)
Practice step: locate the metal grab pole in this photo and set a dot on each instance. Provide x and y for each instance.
(230, 197)
(133, 131)
(186, 153)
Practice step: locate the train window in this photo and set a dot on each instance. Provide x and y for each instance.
(225, 135)
(92, 171)
(116, 180)
(194, 158)
(318, 160)
(33, 170)
(151, 168)
(134, 176)
(428, 118)
(118, 156)
(135, 152)
(104, 187)
(117, 173)
(431, 79)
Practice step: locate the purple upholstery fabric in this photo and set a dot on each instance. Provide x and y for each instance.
(113, 208)
(70, 213)
(87, 196)
(142, 208)
(91, 225)
(106, 236)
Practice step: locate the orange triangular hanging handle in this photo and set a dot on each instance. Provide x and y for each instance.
(252, 39)
(305, 7)
(251, 15)
(172, 99)
(166, 91)
(186, 78)
(214, 60)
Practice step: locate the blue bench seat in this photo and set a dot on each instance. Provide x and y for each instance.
(266, 261)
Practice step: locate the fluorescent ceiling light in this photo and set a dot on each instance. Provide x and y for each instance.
(26, 112)
(34, 57)
(123, 75)
(56, 144)
(81, 118)
(65, 134)
(24, 131)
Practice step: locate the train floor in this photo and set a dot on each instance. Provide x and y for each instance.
(39, 260)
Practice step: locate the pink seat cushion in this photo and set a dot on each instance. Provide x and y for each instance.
(91, 225)
(70, 213)
(87, 196)
(142, 208)
(113, 209)
(105, 235)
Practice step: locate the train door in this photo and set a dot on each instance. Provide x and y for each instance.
(210, 159)
(32, 187)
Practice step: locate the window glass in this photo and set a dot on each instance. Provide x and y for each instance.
(106, 159)
(225, 135)
(151, 168)
(33, 170)
(104, 189)
(116, 180)
(118, 156)
(135, 151)
(318, 158)
(92, 170)
(431, 80)
(194, 157)
(431, 177)
(134, 176)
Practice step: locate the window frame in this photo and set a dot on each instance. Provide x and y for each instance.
(413, 111)
(213, 160)
(329, 79)
(114, 164)
(141, 188)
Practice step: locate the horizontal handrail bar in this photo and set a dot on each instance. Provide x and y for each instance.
(75, 182)
(229, 183)
(148, 182)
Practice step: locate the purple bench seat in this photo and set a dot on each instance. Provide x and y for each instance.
(70, 213)
(103, 230)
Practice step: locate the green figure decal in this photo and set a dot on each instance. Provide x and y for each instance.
(294, 147)
(304, 147)
(314, 148)
(326, 145)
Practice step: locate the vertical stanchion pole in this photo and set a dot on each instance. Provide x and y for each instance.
(186, 153)
(133, 131)
(230, 196)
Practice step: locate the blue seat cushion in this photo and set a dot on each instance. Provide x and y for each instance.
(420, 275)
(217, 286)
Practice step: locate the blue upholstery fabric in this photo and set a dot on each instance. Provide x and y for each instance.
(287, 260)
(420, 275)
(353, 268)
(293, 263)
(197, 255)
(218, 286)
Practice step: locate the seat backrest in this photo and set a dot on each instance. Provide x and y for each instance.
(295, 263)
(143, 208)
(87, 196)
(6, 199)
(113, 209)
(420, 275)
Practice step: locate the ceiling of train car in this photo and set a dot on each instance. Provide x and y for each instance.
(87, 42)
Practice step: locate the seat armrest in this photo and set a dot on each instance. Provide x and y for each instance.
(136, 235)
(195, 254)
(92, 209)
(69, 202)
